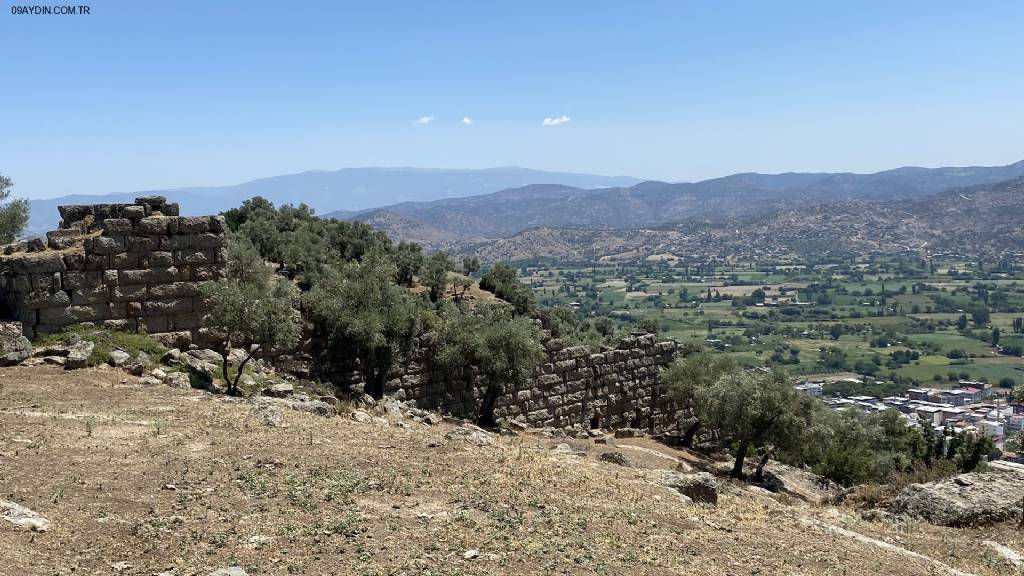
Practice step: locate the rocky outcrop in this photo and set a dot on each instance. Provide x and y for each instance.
(974, 499)
(701, 487)
(14, 347)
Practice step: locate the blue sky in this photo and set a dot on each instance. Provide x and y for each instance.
(141, 95)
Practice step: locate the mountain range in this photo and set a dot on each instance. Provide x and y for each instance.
(347, 190)
(456, 221)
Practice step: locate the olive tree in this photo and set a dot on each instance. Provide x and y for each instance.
(760, 411)
(250, 309)
(435, 274)
(491, 342)
(13, 215)
(697, 370)
(364, 320)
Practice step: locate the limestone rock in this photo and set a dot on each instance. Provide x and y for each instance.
(178, 380)
(701, 487)
(279, 390)
(78, 355)
(974, 499)
(118, 358)
(231, 571)
(14, 348)
(23, 517)
(614, 458)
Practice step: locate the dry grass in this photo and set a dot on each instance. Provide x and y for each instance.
(333, 496)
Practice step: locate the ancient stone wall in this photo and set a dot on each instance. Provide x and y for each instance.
(127, 266)
(618, 388)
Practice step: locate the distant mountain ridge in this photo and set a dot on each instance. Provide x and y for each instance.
(348, 190)
(651, 203)
(980, 220)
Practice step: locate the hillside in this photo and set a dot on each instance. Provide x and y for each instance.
(651, 204)
(983, 219)
(143, 480)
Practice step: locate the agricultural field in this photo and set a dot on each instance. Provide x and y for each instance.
(895, 320)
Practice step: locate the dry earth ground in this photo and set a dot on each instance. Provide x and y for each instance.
(143, 480)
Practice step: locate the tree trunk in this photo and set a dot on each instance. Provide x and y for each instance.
(486, 416)
(690, 434)
(224, 370)
(765, 456)
(741, 454)
(238, 376)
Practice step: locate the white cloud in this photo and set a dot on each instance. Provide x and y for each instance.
(556, 121)
(467, 120)
(424, 120)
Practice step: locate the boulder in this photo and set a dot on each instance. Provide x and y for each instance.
(178, 380)
(23, 517)
(700, 487)
(14, 347)
(199, 372)
(974, 499)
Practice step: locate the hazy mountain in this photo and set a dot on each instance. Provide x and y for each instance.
(349, 190)
(650, 204)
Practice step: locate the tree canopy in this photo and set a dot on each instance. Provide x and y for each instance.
(13, 214)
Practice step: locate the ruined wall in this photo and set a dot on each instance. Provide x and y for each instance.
(612, 389)
(128, 266)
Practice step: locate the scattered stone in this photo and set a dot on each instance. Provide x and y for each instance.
(178, 380)
(432, 419)
(700, 487)
(268, 414)
(201, 373)
(78, 355)
(628, 433)
(171, 358)
(471, 434)
(471, 554)
(55, 360)
(23, 517)
(362, 417)
(615, 458)
(1008, 554)
(14, 347)
(158, 374)
(150, 381)
(118, 358)
(279, 390)
(232, 571)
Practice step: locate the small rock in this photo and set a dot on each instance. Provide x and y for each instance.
(150, 381)
(55, 360)
(232, 571)
(432, 419)
(158, 374)
(14, 347)
(178, 380)
(171, 358)
(615, 458)
(118, 357)
(471, 554)
(279, 390)
(23, 517)
(362, 417)
(628, 433)
(701, 487)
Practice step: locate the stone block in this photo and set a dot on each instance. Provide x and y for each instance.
(160, 260)
(175, 242)
(141, 244)
(128, 293)
(91, 295)
(46, 262)
(167, 307)
(207, 241)
(74, 261)
(117, 227)
(195, 257)
(110, 278)
(193, 225)
(173, 290)
(43, 281)
(133, 212)
(124, 261)
(133, 309)
(218, 225)
(206, 273)
(148, 276)
(75, 280)
(104, 245)
(170, 209)
(151, 226)
(153, 324)
(95, 262)
(46, 299)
